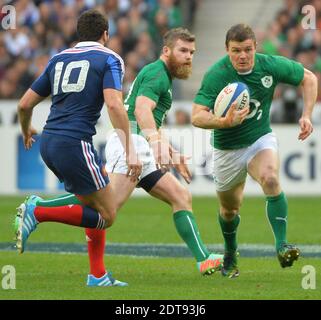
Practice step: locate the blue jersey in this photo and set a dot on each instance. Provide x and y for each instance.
(76, 78)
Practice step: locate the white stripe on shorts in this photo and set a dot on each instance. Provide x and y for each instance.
(91, 154)
(90, 166)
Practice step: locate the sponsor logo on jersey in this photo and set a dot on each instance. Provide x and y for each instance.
(267, 81)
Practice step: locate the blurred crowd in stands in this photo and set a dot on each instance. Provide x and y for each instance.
(46, 27)
(287, 36)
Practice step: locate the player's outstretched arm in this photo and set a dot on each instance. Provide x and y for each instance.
(309, 86)
(203, 118)
(119, 119)
(25, 106)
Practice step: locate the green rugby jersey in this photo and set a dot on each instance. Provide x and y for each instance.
(267, 72)
(155, 82)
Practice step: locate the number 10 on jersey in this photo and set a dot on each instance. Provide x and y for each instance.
(83, 65)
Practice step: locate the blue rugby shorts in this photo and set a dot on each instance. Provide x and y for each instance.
(74, 162)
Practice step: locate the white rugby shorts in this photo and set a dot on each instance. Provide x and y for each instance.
(116, 156)
(230, 166)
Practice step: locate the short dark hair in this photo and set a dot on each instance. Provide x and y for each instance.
(239, 32)
(171, 36)
(91, 25)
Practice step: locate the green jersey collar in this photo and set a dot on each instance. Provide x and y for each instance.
(165, 67)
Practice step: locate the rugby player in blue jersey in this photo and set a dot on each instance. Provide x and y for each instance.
(79, 81)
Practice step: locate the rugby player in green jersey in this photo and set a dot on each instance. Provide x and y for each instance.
(148, 102)
(250, 146)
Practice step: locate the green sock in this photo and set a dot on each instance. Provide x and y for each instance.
(187, 228)
(63, 200)
(229, 229)
(277, 212)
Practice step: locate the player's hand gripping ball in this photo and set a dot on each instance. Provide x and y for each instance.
(236, 91)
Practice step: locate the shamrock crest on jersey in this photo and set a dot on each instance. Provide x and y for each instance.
(267, 81)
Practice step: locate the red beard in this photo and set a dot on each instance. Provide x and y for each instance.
(179, 70)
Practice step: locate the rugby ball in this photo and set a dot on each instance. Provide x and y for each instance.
(234, 91)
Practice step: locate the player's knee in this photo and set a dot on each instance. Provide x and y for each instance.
(228, 214)
(109, 217)
(270, 182)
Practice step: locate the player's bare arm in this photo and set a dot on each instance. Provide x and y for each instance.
(26, 104)
(203, 118)
(144, 107)
(119, 119)
(309, 86)
(144, 115)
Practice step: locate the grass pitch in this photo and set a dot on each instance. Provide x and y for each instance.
(146, 220)
(58, 276)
